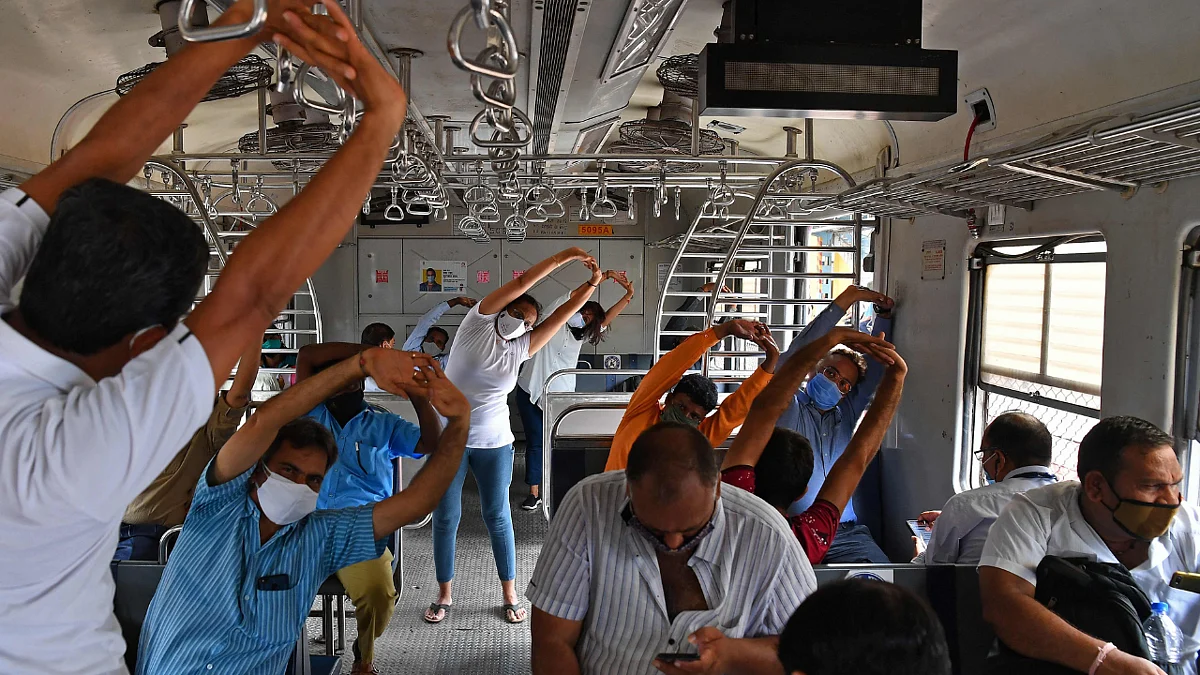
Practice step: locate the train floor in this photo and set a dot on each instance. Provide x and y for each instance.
(474, 638)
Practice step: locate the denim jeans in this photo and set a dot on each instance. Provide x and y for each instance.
(493, 472)
(531, 419)
(853, 544)
(138, 542)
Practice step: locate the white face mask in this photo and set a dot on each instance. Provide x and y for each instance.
(284, 502)
(576, 320)
(430, 348)
(510, 327)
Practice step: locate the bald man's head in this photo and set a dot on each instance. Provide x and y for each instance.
(673, 477)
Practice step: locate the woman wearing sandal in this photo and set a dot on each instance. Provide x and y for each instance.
(495, 338)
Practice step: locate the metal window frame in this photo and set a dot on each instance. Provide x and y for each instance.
(975, 390)
(1186, 417)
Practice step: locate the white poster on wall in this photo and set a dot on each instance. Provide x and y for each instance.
(933, 259)
(443, 276)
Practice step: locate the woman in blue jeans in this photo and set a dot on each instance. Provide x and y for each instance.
(495, 338)
(590, 324)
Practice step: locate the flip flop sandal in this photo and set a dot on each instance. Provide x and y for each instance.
(444, 609)
(515, 609)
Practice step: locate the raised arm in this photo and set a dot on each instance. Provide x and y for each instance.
(554, 323)
(832, 315)
(137, 124)
(272, 262)
(500, 298)
(848, 470)
(670, 368)
(256, 435)
(769, 405)
(430, 483)
(430, 423)
(417, 338)
(620, 305)
(238, 395)
(313, 357)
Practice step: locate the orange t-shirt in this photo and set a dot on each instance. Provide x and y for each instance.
(644, 409)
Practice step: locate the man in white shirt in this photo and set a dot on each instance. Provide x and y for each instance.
(661, 558)
(101, 382)
(1128, 509)
(426, 333)
(1015, 452)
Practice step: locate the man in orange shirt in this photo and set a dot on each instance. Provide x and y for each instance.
(692, 398)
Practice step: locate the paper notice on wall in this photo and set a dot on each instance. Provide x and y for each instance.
(443, 276)
(933, 259)
(663, 270)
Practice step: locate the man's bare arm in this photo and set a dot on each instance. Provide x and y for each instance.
(554, 641)
(137, 124)
(271, 263)
(1034, 631)
(313, 357)
(238, 395)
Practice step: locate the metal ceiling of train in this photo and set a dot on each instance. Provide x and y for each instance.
(1041, 62)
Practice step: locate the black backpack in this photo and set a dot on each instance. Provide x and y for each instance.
(1100, 599)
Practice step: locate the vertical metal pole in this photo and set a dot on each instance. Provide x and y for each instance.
(177, 145)
(808, 140)
(262, 119)
(695, 128)
(792, 133)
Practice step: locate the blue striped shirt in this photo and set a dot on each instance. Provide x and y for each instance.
(596, 569)
(829, 431)
(367, 450)
(209, 615)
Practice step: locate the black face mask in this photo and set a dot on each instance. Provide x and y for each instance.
(345, 406)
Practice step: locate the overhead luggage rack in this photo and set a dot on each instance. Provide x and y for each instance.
(1116, 155)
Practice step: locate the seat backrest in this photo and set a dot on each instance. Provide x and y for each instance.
(136, 583)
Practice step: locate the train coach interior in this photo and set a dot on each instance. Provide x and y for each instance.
(1017, 175)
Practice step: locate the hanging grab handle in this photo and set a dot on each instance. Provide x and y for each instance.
(258, 19)
(339, 105)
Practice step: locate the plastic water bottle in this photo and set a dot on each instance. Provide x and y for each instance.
(1164, 640)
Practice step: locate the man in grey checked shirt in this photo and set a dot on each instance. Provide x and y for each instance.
(663, 559)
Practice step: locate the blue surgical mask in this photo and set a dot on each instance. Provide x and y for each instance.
(824, 393)
(576, 320)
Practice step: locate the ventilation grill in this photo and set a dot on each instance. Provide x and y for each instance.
(832, 78)
(558, 18)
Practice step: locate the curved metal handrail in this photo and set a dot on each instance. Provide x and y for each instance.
(258, 19)
(548, 434)
(164, 543)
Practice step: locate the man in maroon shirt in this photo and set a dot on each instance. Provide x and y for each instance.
(776, 463)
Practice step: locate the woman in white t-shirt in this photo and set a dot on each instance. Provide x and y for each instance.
(589, 325)
(495, 338)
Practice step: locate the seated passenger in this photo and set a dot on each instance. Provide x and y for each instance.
(776, 463)
(240, 583)
(637, 561)
(425, 333)
(369, 440)
(270, 381)
(1016, 451)
(693, 396)
(826, 411)
(1128, 510)
(894, 633)
(165, 503)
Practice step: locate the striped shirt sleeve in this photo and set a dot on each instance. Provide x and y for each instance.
(561, 582)
(349, 536)
(215, 496)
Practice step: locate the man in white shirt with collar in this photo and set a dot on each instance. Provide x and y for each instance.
(1015, 452)
(101, 382)
(661, 558)
(1128, 509)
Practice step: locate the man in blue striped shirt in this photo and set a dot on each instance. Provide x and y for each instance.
(369, 440)
(251, 556)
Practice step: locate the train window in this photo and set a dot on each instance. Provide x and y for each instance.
(1036, 342)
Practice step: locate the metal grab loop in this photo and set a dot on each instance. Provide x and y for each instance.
(507, 36)
(394, 211)
(258, 19)
(479, 194)
(604, 208)
(536, 214)
(481, 8)
(419, 208)
(298, 95)
(516, 141)
(488, 213)
(559, 209)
